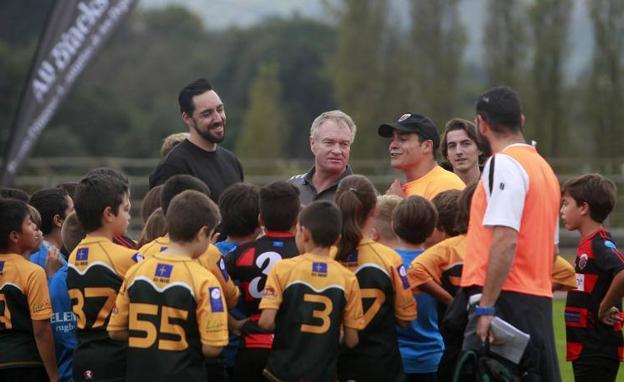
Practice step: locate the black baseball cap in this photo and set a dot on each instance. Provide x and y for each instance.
(412, 123)
(500, 105)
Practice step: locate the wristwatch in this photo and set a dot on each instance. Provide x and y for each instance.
(485, 311)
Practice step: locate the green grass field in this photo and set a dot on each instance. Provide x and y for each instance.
(560, 338)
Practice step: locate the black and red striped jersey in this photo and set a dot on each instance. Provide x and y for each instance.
(597, 261)
(249, 266)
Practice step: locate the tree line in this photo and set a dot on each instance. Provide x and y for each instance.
(277, 75)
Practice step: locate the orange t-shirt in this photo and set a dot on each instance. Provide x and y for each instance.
(432, 183)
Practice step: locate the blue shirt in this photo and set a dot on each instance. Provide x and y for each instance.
(63, 320)
(421, 344)
(229, 353)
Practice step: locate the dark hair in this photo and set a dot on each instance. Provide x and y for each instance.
(596, 190)
(176, 185)
(356, 197)
(500, 107)
(94, 194)
(324, 221)
(155, 227)
(151, 201)
(190, 211)
(471, 131)
(463, 208)
(110, 172)
(446, 205)
(14, 193)
(239, 205)
(185, 98)
(279, 205)
(72, 232)
(49, 202)
(414, 219)
(12, 215)
(69, 187)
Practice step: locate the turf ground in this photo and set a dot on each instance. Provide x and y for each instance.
(566, 367)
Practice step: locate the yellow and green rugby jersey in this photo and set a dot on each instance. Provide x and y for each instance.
(314, 296)
(170, 305)
(24, 297)
(211, 259)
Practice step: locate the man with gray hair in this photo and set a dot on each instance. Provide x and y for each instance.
(331, 136)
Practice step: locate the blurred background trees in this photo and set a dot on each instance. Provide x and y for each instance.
(374, 59)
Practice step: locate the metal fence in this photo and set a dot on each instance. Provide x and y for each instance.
(42, 172)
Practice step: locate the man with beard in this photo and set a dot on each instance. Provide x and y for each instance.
(511, 238)
(200, 155)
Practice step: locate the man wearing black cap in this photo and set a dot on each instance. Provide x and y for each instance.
(413, 146)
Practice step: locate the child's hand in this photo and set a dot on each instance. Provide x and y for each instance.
(53, 261)
(610, 316)
(396, 189)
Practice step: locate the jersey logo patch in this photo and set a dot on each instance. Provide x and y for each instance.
(319, 269)
(278, 244)
(352, 258)
(163, 249)
(582, 261)
(403, 275)
(216, 305)
(163, 272)
(82, 254)
(137, 257)
(1, 267)
(221, 265)
(501, 186)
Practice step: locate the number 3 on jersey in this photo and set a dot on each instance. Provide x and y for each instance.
(322, 314)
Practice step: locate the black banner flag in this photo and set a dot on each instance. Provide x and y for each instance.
(74, 34)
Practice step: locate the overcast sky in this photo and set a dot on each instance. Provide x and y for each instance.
(218, 14)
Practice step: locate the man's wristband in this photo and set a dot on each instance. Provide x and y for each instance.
(485, 311)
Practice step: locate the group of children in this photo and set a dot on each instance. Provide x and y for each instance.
(260, 288)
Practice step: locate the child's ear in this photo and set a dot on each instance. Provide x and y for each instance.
(58, 221)
(202, 233)
(108, 214)
(338, 240)
(584, 209)
(213, 236)
(306, 235)
(374, 232)
(14, 237)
